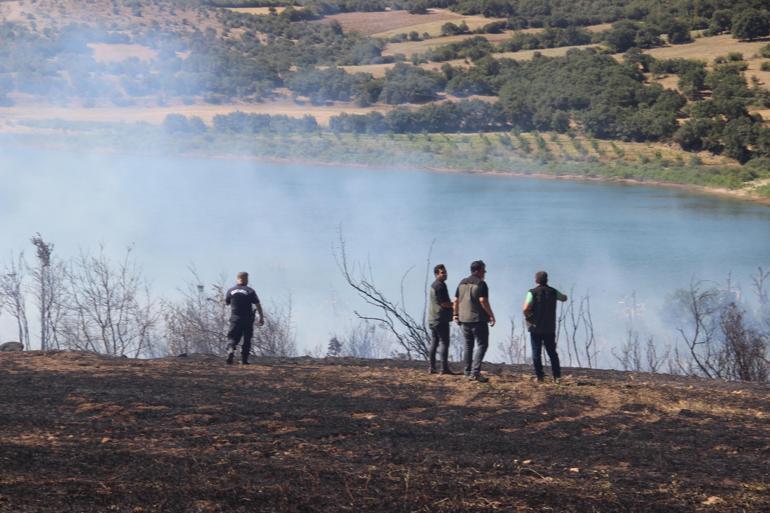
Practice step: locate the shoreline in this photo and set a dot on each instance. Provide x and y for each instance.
(738, 195)
(735, 194)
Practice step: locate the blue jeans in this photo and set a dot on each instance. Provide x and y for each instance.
(549, 341)
(475, 333)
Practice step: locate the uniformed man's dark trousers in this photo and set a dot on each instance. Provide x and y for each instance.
(549, 341)
(475, 333)
(240, 328)
(439, 336)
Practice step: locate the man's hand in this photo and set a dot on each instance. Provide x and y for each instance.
(492, 320)
(261, 321)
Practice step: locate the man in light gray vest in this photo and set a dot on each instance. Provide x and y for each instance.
(472, 311)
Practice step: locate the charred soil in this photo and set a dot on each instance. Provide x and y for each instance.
(85, 433)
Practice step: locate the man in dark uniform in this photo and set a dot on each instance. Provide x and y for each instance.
(439, 317)
(473, 311)
(540, 314)
(241, 298)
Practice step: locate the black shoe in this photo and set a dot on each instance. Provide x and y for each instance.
(540, 379)
(431, 371)
(245, 362)
(230, 359)
(448, 372)
(478, 377)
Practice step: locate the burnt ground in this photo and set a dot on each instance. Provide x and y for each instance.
(84, 433)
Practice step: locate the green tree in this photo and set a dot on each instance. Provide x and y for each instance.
(750, 24)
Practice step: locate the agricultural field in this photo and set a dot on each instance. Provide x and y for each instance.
(89, 433)
(391, 23)
(115, 52)
(419, 47)
(156, 114)
(258, 11)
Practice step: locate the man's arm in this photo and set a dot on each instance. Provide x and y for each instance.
(227, 297)
(484, 301)
(560, 296)
(258, 308)
(527, 303)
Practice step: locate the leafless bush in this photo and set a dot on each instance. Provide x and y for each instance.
(514, 349)
(744, 356)
(635, 356)
(276, 337)
(365, 340)
(719, 340)
(12, 295)
(197, 323)
(109, 308)
(578, 327)
(410, 334)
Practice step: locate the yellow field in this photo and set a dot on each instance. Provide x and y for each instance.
(379, 70)
(419, 47)
(707, 48)
(434, 27)
(258, 11)
(108, 52)
(156, 115)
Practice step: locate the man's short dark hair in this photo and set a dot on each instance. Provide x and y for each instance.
(541, 278)
(439, 267)
(478, 265)
(242, 275)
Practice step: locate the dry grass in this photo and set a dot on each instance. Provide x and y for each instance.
(525, 55)
(379, 23)
(707, 48)
(419, 47)
(379, 70)
(156, 115)
(109, 52)
(258, 11)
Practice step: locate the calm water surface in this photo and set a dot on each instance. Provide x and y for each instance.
(281, 223)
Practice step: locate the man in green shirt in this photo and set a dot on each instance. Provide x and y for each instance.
(540, 314)
(473, 311)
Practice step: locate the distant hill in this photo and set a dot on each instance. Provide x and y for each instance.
(80, 432)
(693, 76)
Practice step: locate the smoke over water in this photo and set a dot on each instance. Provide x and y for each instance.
(626, 248)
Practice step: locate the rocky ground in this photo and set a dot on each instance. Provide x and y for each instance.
(84, 433)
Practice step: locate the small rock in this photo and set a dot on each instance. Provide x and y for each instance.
(574, 469)
(11, 347)
(713, 500)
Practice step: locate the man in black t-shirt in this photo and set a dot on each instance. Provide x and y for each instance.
(473, 311)
(540, 314)
(439, 317)
(241, 297)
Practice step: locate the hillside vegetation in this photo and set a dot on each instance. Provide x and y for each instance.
(88, 433)
(622, 71)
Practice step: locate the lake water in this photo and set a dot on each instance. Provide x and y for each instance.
(281, 223)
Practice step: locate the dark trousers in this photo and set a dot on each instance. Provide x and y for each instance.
(475, 333)
(549, 341)
(240, 328)
(439, 340)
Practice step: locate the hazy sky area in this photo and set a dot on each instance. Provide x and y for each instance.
(280, 223)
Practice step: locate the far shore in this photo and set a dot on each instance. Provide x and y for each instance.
(735, 194)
